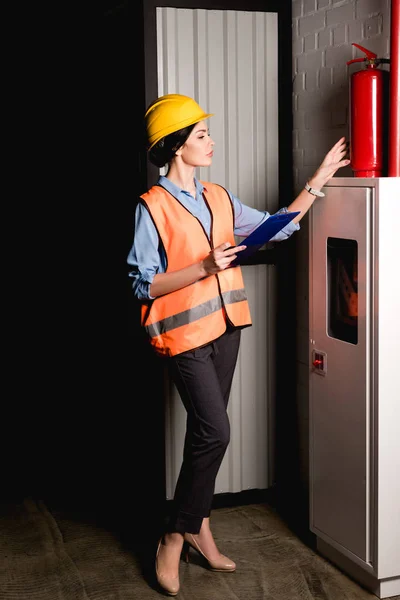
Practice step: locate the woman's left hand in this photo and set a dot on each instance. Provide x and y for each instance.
(333, 161)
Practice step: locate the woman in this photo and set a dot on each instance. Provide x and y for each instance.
(194, 306)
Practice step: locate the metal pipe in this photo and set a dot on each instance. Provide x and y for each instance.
(394, 101)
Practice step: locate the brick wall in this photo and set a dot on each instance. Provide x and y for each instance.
(323, 31)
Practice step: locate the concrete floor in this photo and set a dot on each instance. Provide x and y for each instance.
(46, 554)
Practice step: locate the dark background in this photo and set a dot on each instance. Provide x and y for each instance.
(82, 411)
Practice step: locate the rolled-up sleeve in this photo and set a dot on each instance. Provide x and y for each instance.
(144, 257)
(247, 219)
(286, 231)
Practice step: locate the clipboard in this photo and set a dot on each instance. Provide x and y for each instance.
(262, 235)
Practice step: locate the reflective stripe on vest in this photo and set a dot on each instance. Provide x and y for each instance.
(196, 313)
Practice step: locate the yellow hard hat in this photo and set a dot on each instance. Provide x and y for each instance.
(170, 113)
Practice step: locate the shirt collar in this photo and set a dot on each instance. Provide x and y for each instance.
(175, 190)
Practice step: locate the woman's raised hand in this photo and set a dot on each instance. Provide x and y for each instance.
(333, 161)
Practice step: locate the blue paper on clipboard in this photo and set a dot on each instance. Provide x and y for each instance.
(262, 235)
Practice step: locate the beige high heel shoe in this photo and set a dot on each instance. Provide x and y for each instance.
(222, 564)
(170, 585)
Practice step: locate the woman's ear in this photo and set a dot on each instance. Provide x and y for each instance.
(178, 152)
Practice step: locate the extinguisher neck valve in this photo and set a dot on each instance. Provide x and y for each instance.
(371, 59)
(371, 63)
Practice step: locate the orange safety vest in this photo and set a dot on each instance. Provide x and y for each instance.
(198, 313)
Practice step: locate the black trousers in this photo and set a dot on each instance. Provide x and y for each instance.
(203, 378)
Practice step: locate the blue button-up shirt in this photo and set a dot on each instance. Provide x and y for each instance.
(147, 256)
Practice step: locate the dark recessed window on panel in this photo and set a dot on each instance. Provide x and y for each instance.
(342, 262)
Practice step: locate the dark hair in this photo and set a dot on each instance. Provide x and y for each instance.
(164, 150)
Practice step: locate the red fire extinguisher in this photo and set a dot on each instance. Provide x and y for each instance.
(368, 116)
